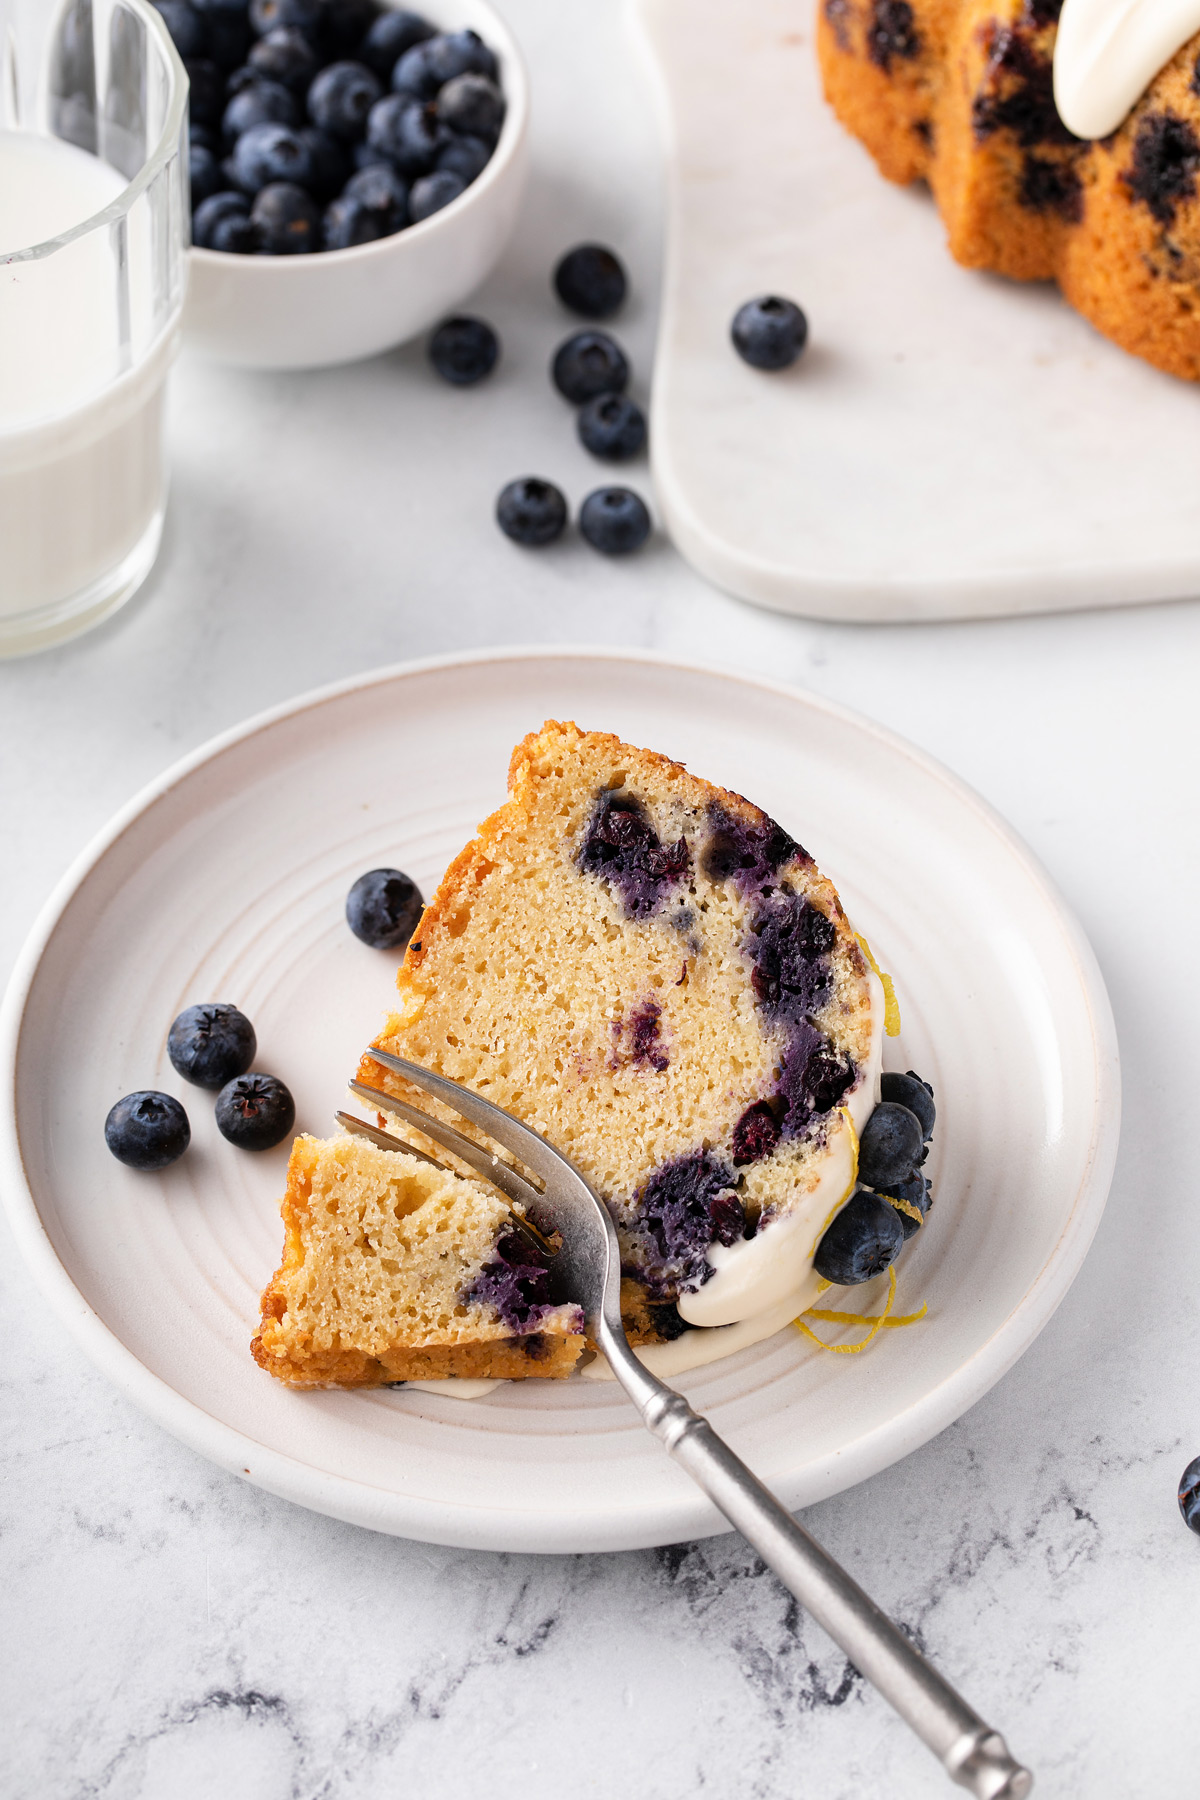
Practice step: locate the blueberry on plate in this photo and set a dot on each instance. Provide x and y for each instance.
(769, 333)
(862, 1242)
(271, 153)
(591, 281)
(255, 1112)
(382, 192)
(531, 511)
(612, 426)
(614, 520)
(909, 1090)
(472, 104)
(890, 1146)
(349, 222)
(147, 1130)
(464, 350)
(188, 30)
(407, 132)
(389, 37)
(587, 364)
(340, 98)
(914, 1192)
(259, 102)
(301, 15)
(1189, 1495)
(466, 157)
(222, 222)
(211, 1044)
(287, 219)
(205, 173)
(382, 908)
(285, 55)
(430, 193)
(454, 53)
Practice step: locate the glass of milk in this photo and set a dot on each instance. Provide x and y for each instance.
(93, 262)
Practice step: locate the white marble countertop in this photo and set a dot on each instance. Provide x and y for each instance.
(173, 1632)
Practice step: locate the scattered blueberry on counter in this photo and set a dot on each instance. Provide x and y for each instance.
(383, 907)
(1189, 1495)
(612, 427)
(589, 280)
(531, 511)
(587, 364)
(614, 520)
(255, 1112)
(464, 350)
(769, 333)
(348, 85)
(147, 1130)
(211, 1044)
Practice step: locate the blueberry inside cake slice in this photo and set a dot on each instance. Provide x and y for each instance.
(653, 974)
(395, 1270)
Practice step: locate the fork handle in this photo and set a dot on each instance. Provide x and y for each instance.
(974, 1755)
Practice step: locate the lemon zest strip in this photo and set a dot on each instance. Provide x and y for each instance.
(891, 1006)
(904, 1207)
(838, 1204)
(885, 1319)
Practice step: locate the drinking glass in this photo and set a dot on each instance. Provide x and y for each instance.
(93, 185)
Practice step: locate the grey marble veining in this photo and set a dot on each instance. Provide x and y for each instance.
(172, 1633)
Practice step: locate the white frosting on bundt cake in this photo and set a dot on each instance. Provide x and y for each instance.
(1107, 53)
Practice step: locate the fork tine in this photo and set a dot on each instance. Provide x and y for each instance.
(510, 1183)
(384, 1140)
(524, 1142)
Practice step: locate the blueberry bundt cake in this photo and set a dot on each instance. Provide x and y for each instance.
(655, 976)
(1055, 150)
(397, 1270)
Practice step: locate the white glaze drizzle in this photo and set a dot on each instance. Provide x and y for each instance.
(1107, 53)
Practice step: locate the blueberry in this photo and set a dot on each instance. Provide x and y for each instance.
(914, 1192)
(206, 92)
(861, 1243)
(612, 426)
(1189, 1495)
(382, 192)
(241, 78)
(201, 136)
(189, 33)
(332, 165)
(909, 1090)
(407, 132)
(301, 15)
(287, 219)
(431, 192)
(531, 511)
(454, 53)
(473, 104)
(211, 1044)
(413, 74)
(205, 173)
(464, 350)
(285, 55)
(614, 521)
(147, 1130)
(382, 908)
(466, 157)
(222, 222)
(271, 153)
(255, 1111)
(389, 37)
(769, 333)
(365, 156)
(229, 36)
(261, 103)
(344, 25)
(341, 97)
(591, 281)
(349, 222)
(890, 1146)
(588, 364)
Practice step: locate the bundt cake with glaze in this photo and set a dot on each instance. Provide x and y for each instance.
(962, 94)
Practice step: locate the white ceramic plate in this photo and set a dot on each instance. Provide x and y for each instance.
(226, 879)
(951, 444)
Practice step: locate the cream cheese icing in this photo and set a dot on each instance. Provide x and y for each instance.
(1107, 53)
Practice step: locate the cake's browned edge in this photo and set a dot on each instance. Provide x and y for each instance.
(959, 93)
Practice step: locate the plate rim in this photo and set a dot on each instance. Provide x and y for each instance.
(482, 1527)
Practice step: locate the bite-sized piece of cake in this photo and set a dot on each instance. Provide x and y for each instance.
(394, 1270)
(961, 93)
(654, 975)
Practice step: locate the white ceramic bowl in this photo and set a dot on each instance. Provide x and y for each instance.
(300, 312)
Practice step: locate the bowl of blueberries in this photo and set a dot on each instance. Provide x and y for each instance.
(356, 169)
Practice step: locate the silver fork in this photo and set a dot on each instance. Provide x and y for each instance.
(588, 1265)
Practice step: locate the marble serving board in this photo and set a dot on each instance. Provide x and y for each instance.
(951, 444)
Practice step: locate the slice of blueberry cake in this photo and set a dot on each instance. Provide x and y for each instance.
(396, 1270)
(653, 974)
